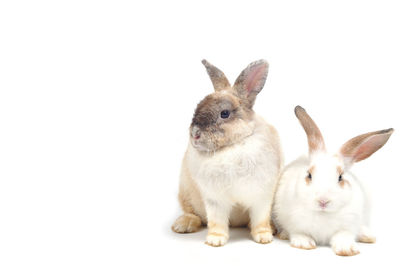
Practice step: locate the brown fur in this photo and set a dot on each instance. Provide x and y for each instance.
(349, 252)
(217, 133)
(216, 234)
(208, 110)
(273, 228)
(218, 79)
(189, 195)
(187, 223)
(363, 146)
(214, 133)
(367, 239)
(311, 171)
(251, 81)
(217, 229)
(262, 231)
(263, 227)
(339, 170)
(314, 136)
(190, 200)
(343, 183)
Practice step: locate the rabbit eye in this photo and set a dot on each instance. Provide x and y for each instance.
(308, 178)
(225, 114)
(340, 178)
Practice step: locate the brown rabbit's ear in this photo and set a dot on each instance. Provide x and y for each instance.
(251, 81)
(315, 140)
(218, 79)
(363, 146)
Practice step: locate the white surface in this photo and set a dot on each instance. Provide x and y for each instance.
(96, 98)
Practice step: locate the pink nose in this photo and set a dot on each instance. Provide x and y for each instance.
(323, 203)
(196, 132)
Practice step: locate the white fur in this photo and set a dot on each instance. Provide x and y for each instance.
(296, 210)
(243, 174)
(319, 200)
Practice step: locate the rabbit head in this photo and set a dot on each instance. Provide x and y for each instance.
(327, 185)
(225, 117)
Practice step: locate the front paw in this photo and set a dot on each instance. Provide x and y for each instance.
(366, 236)
(216, 239)
(346, 249)
(187, 223)
(263, 237)
(302, 242)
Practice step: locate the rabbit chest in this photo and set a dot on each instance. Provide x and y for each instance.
(322, 226)
(237, 173)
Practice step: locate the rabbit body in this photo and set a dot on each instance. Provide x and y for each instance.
(318, 200)
(240, 175)
(292, 213)
(231, 166)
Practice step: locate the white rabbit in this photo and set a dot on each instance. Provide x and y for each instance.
(318, 201)
(231, 166)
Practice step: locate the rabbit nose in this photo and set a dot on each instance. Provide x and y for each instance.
(323, 203)
(195, 132)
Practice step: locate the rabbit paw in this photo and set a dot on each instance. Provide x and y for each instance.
(216, 239)
(187, 223)
(366, 236)
(345, 248)
(263, 237)
(302, 241)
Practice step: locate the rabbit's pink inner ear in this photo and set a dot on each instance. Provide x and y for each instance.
(256, 78)
(251, 81)
(363, 146)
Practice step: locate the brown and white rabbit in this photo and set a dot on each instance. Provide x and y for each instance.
(318, 200)
(232, 162)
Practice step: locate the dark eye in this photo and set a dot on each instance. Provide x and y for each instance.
(309, 176)
(340, 178)
(225, 114)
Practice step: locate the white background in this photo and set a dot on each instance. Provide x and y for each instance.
(96, 98)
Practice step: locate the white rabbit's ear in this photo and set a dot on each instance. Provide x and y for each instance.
(315, 140)
(363, 146)
(251, 81)
(218, 79)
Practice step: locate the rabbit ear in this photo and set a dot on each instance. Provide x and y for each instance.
(251, 81)
(315, 140)
(363, 146)
(218, 79)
